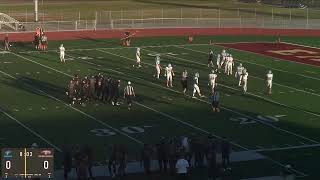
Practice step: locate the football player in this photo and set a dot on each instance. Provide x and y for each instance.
(245, 80)
(196, 88)
(224, 56)
(138, 58)
(219, 61)
(71, 91)
(158, 66)
(210, 59)
(239, 73)
(92, 87)
(212, 80)
(269, 81)
(184, 81)
(229, 65)
(169, 74)
(62, 53)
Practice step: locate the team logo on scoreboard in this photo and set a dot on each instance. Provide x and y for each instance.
(46, 153)
(7, 154)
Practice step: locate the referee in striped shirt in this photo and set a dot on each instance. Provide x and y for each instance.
(128, 94)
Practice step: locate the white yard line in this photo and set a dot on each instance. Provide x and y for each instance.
(23, 125)
(259, 77)
(75, 109)
(286, 148)
(131, 47)
(230, 110)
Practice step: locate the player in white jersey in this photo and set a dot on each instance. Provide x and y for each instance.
(239, 73)
(224, 55)
(269, 82)
(210, 59)
(138, 58)
(218, 61)
(169, 74)
(158, 66)
(229, 65)
(196, 88)
(245, 75)
(62, 53)
(212, 80)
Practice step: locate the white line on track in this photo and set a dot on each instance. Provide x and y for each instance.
(75, 109)
(202, 52)
(230, 110)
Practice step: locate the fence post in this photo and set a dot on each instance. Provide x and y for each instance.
(240, 21)
(96, 16)
(86, 24)
(76, 25)
(200, 12)
(238, 12)
(219, 19)
(272, 14)
(290, 14)
(58, 25)
(255, 12)
(162, 15)
(307, 18)
(26, 15)
(181, 15)
(121, 16)
(79, 18)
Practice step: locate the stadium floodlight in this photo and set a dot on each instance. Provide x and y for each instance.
(36, 17)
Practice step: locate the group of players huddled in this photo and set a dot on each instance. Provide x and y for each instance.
(98, 87)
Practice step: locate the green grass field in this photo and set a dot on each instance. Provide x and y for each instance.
(35, 108)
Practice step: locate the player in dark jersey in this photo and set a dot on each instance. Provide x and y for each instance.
(146, 157)
(115, 92)
(92, 87)
(85, 88)
(71, 91)
(106, 89)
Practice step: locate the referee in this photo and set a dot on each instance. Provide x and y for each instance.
(128, 94)
(184, 81)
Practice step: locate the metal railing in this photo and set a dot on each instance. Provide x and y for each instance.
(280, 18)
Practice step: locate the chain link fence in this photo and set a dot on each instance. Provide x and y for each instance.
(280, 18)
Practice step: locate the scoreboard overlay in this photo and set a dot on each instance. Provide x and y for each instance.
(27, 162)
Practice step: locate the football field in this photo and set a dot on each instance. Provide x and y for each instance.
(283, 127)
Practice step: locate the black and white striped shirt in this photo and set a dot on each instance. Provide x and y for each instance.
(128, 91)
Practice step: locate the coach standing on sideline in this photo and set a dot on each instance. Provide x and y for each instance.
(128, 94)
(6, 43)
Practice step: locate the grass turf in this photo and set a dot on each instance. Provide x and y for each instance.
(159, 111)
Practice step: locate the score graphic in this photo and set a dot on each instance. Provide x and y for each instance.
(27, 163)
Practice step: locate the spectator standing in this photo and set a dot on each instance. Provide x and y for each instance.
(225, 148)
(146, 157)
(67, 161)
(215, 100)
(182, 166)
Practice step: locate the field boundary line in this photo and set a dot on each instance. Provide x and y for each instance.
(286, 148)
(23, 125)
(265, 123)
(245, 61)
(266, 99)
(76, 109)
(131, 47)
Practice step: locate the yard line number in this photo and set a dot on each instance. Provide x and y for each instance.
(126, 129)
(244, 120)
